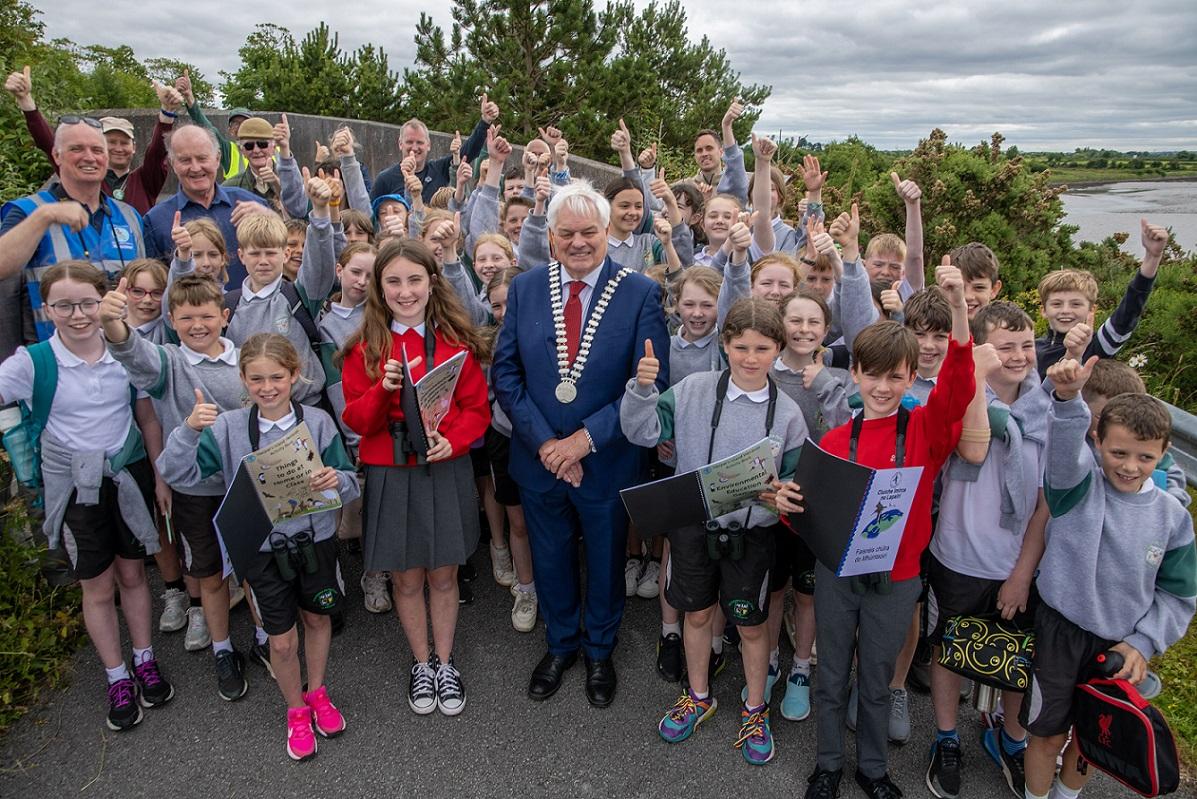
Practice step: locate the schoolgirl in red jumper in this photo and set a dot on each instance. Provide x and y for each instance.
(419, 516)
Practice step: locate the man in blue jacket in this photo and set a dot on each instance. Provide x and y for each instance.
(573, 334)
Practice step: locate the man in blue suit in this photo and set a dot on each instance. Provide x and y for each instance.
(571, 338)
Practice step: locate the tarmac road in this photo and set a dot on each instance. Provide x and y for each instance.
(503, 744)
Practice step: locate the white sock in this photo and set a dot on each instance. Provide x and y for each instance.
(773, 659)
(1062, 791)
(142, 655)
(526, 588)
(801, 666)
(717, 644)
(260, 635)
(498, 547)
(675, 628)
(222, 646)
(1028, 795)
(121, 672)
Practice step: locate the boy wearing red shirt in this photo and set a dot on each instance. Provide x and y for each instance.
(869, 615)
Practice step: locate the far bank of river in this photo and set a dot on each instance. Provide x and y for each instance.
(1104, 209)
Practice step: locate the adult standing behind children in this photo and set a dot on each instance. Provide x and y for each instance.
(568, 454)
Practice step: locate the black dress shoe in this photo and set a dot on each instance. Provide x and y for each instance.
(600, 682)
(546, 677)
(671, 659)
(880, 788)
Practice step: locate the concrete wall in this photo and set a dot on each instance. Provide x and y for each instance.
(379, 141)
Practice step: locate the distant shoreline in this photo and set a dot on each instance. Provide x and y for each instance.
(1088, 184)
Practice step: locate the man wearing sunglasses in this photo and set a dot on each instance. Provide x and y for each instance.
(73, 219)
(277, 181)
(138, 187)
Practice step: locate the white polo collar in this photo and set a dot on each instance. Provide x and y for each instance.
(267, 290)
(227, 355)
(396, 327)
(284, 424)
(758, 396)
(69, 359)
(684, 343)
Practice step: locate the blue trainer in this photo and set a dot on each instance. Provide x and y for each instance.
(796, 704)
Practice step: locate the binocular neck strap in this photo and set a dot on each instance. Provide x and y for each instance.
(899, 443)
(255, 432)
(721, 393)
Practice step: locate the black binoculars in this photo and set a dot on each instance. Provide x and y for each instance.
(402, 443)
(294, 554)
(725, 542)
(877, 581)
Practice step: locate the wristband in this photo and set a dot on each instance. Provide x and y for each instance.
(975, 435)
(166, 113)
(589, 440)
(562, 175)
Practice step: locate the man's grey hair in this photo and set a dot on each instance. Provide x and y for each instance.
(209, 133)
(61, 130)
(414, 123)
(582, 199)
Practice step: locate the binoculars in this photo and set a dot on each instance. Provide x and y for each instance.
(402, 444)
(725, 542)
(294, 555)
(877, 581)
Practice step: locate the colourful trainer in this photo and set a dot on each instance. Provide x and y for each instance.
(301, 741)
(329, 721)
(756, 738)
(124, 712)
(687, 713)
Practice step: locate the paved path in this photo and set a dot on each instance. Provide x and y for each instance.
(502, 745)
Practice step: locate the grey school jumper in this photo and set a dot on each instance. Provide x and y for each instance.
(683, 414)
(1121, 566)
(825, 404)
(189, 458)
(272, 314)
(689, 357)
(163, 372)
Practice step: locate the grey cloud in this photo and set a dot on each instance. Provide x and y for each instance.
(1058, 76)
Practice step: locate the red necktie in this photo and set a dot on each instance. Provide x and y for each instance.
(573, 318)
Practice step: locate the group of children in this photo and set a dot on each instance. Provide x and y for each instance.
(1032, 505)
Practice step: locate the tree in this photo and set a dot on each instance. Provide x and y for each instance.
(562, 62)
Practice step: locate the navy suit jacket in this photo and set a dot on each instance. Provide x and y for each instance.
(525, 377)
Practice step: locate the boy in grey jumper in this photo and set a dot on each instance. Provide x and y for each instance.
(1119, 571)
(172, 375)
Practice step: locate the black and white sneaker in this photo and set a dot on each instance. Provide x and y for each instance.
(450, 691)
(421, 693)
(943, 773)
(230, 675)
(260, 654)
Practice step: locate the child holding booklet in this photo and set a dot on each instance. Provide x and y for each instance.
(420, 520)
(879, 607)
(210, 443)
(746, 406)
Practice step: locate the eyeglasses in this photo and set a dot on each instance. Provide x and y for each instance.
(140, 294)
(250, 146)
(64, 309)
(72, 119)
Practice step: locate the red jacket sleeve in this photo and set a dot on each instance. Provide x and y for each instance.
(949, 400)
(43, 137)
(473, 408)
(152, 172)
(366, 401)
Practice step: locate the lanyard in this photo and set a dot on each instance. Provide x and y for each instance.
(899, 445)
(255, 433)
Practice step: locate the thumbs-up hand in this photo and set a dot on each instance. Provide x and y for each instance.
(1076, 340)
(1154, 237)
(282, 136)
(342, 142)
(660, 189)
(621, 140)
(181, 237)
(20, 86)
(1068, 376)
(203, 414)
(488, 110)
(985, 361)
(464, 173)
(845, 229)
(951, 281)
(319, 192)
(891, 300)
(168, 97)
(763, 148)
(648, 157)
(908, 190)
(322, 153)
(183, 87)
(115, 304)
(733, 112)
(649, 367)
(455, 146)
(740, 238)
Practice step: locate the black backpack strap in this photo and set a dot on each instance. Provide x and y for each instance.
(231, 300)
(300, 311)
(255, 433)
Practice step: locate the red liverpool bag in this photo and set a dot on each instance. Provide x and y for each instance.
(1120, 733)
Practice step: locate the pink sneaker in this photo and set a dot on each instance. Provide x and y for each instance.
(329, 721)
(301, 743)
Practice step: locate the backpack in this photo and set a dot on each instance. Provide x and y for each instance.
(325, 350)
(23, 442)
(1120, 733)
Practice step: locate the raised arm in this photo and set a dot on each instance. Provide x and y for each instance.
(351, 172)
(20, 86)
(974, 438)
(1117, 330)
(1069, 461)
(762, 195)
(317, 270)
(737, 275)
(911, 196)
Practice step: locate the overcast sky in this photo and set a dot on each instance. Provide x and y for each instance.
(1099, 73)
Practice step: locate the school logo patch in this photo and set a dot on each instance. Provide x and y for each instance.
(282, 324)
(325, 599)
(741, 608)
(1155, 555)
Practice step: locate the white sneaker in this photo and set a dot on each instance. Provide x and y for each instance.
(501, 566)
(631, 576)
(523, 611)
(174, 610)
(236, 594)
(378, 596)
(649, 584)
(197, 631)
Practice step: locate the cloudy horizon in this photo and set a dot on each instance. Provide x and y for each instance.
(1100, 73)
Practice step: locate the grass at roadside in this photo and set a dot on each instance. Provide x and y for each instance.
(1178, 702)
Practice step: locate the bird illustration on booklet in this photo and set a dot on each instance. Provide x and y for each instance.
(711, 491)
(429, 398)
(854, 516)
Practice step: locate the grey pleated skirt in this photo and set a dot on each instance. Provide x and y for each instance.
(419, 516)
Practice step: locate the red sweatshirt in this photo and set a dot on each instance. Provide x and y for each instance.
(931, 435)
(370, 408)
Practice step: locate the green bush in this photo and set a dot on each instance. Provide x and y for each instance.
(40, 626)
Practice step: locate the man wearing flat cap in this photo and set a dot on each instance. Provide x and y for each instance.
(276, 180)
